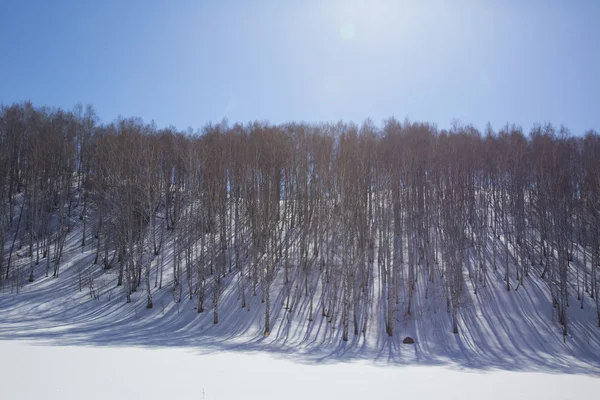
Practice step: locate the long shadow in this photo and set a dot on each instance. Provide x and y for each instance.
(498, 329)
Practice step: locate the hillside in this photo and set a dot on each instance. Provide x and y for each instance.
(325, 241)
(515, 330)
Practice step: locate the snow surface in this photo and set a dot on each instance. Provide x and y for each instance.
(57, 340)
(514, 330)
(33, 371)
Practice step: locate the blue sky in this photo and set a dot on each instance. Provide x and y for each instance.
(185, 63)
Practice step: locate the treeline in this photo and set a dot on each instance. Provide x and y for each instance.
(337, 213)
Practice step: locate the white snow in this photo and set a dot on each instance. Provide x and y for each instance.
(57, 342)
(34, 371)
(514, 330)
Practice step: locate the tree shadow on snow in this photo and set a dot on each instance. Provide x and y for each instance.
(513, 331)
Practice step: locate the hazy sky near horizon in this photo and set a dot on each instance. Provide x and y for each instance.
(185, 63)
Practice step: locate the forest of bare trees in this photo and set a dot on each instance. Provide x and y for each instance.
(329, 211)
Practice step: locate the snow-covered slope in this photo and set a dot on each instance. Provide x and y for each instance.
(513, 330)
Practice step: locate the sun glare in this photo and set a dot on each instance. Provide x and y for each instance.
(347, 31)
